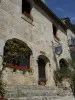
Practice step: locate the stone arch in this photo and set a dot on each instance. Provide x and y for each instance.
(42, 75)
(62, 72)
(18, 41)
(44, 58)
(63, 63)
(16, 54)
(64, 67)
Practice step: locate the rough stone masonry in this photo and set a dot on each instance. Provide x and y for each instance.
(38, 36)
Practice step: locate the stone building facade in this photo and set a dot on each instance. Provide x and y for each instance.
(70, 35)
(37, 35)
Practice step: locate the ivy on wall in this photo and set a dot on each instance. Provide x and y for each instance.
(12, 49)
(16, 52)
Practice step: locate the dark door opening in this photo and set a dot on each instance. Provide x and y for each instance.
(41, 70)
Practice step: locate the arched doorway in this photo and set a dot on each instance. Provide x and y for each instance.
(63, 64)
(64, 68)
(62, 73)
(17, 54)
(42, 61)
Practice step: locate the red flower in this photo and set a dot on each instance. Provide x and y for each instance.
(67, 75)
(30, 68)
(19, 67)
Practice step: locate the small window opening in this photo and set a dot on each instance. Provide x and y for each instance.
(55, 32)
(26, 8)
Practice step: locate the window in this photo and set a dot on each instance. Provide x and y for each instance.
(26, 8)
(55, 32)
(17, 55)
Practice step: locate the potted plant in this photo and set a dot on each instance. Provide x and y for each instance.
(42, 81)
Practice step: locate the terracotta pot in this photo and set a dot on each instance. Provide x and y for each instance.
(42, 83)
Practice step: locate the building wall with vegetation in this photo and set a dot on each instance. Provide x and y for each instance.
(38, 36)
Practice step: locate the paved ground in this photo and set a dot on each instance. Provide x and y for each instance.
(67, 98)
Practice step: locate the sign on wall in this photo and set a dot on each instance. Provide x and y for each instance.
(58, 49)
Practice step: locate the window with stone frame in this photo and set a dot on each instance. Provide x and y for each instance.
(55, 32)
(26, 8)
(16, 55)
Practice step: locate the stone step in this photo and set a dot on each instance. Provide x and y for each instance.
(34, 93)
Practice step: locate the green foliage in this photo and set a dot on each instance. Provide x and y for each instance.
(71, 63)
(1, 88)
(16, 49)
(13, 48)
(62, 74)
(72, 67)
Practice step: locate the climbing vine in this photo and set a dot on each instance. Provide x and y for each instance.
(14, 49)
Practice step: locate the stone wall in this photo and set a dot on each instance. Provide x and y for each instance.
(35, 93)
(70, 33)
(38, 36)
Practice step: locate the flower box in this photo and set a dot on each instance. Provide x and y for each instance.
(20, 67)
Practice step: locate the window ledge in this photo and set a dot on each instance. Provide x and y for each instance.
(56, 40)
(27, 19)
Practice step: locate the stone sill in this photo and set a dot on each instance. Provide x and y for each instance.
(27, 19)
(56, 40)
